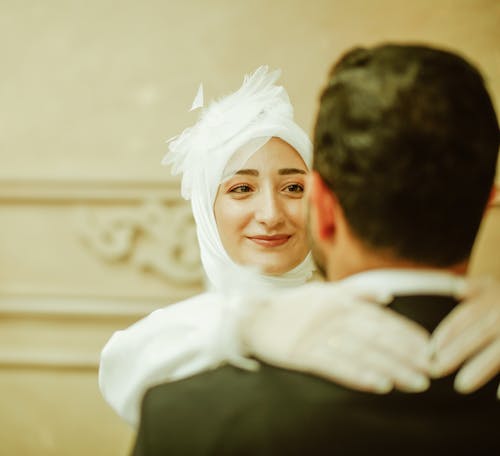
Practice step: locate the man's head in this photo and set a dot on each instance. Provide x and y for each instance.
(405, 147)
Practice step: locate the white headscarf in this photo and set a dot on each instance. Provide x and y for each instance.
(240, 122)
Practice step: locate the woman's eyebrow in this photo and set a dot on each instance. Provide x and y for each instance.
(281, 172)
(287, 171)
(248, 172)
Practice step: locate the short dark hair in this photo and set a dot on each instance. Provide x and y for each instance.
(407, 139)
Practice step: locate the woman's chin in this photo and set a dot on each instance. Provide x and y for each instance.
(278, 269)
(272, 264)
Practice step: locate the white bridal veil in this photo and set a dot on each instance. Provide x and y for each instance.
(236, 125)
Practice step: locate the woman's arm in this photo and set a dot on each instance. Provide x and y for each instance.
(322, 329)
(170, 344)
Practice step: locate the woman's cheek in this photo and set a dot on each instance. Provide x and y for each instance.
(237, 212)
(297, 213)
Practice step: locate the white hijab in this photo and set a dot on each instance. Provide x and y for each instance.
(236, 125)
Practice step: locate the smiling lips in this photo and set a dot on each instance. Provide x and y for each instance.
(270, 241)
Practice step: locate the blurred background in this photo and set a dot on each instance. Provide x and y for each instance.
(93, 233)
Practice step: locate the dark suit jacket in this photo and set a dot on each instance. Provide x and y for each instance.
(278, 412)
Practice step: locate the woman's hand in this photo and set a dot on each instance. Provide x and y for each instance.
(470, 334)
(333, 332)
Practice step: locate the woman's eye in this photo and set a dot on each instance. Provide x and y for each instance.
(241, 189)
(294, 188)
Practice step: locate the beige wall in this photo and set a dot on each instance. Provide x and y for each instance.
(93, 234)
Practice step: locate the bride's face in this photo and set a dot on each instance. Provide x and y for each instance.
(260, 211)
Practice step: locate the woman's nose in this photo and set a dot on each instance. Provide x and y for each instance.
(269, 211)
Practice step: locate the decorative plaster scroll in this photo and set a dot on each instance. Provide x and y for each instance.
(152, 237)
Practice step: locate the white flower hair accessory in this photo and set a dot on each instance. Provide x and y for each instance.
(235, 127)
(259, 108)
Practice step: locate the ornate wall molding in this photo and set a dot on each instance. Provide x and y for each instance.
(151, 237)
(70, 191)
(93, 308)
(145, 224)
(56, 332)
(140, 224)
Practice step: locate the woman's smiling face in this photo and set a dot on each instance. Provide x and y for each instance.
(260, 211)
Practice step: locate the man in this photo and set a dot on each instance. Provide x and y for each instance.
(406, 143)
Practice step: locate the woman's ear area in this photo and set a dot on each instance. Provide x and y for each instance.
(322, 206)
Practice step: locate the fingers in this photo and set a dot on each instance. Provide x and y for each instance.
(479, 370)
(470, 326)
(401, 372)
(361, 359)
(453, 326)
(349, 372)
(386, 345)
(447, 358)
(466, 316)
(399, 356)
(395, 335)
(400, 349)
(372, 371)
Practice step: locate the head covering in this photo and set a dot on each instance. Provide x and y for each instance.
(236, 125)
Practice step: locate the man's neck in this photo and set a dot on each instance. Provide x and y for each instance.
(347, 265)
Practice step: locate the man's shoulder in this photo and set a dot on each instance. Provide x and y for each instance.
(235, 384)
(232, 411)
(273, 410)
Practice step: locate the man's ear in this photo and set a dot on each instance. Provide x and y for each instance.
(494, 197)
(323, 204)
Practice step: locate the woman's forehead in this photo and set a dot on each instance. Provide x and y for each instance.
(275, 154)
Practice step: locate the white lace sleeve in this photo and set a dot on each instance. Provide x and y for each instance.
(170, 344)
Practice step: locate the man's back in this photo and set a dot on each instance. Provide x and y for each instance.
(274, 411)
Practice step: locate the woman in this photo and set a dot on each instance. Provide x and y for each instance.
(195, 335)
(244, 166)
